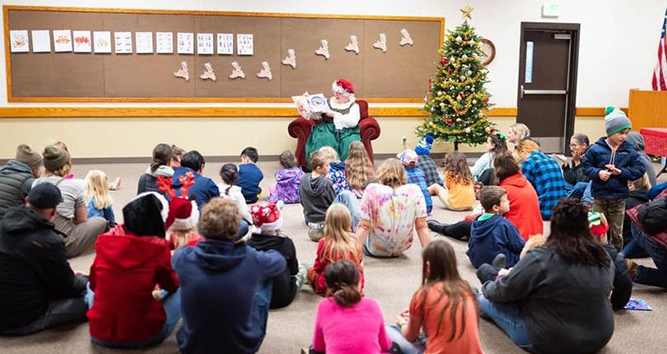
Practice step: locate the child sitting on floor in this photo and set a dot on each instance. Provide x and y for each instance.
(250, 175)
(288, 180)
(491, 233)
(99, 201)
(338, 243)
(230, 175)
(426, 163)
(415, 175)
(460, 185)
(358, 168)
(267, 218)
(346, 322)
(336, 170)
(316, 193)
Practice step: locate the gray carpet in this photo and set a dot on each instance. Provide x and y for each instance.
(391, 282)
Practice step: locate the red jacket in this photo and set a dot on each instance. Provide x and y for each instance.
(524, 206)
(316, 273)
(123, 275)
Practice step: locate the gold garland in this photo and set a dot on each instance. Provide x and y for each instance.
(455, 104)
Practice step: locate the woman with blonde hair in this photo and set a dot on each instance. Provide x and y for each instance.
(71, 214)
(339, 243)
(98, 199)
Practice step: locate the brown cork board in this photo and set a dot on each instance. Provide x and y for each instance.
(399, 75)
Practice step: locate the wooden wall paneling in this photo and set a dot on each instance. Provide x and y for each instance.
(647, 109)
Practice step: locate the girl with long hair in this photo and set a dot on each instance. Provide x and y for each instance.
(346, 322)
(338, 243)
(444, 307)
(98, 199)
(495, 144)
(358, 168)
(229, 174)
(160, 167)
(459, 193)
(555, 299)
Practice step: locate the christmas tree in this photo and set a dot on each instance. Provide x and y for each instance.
(457, 101)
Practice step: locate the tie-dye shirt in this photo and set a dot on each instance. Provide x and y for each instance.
(392, 214)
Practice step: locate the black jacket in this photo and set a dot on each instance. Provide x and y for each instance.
(15, 182)
(284, 284)
(316, 196)
(33, 268)
(573, 174)
(564, 304)
(636, 197)
(622, 280)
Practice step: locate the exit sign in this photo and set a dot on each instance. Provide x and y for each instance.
(551, 9)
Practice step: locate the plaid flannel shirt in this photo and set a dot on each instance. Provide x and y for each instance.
(416, 176)
(545, 175)
(427, 165)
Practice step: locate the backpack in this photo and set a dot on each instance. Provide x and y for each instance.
(653, 216)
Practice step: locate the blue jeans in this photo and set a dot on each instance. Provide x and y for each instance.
(260, 312)
(509, 318)
(581, 190)
(348, 199)
(633, 250)
(407, 347)
(172, 307)
(646, 275)
(243, 228)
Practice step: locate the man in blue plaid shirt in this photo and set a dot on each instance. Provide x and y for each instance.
(544, 173)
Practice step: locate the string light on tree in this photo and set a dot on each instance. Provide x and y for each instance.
(457, 100)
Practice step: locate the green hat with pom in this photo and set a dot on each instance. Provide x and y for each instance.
(615, 120)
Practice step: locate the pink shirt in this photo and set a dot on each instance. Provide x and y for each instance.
(357, 329)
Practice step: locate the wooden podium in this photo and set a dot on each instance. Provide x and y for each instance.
(648, 109)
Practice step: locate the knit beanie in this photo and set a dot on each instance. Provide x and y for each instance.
(146, 214)
(267, 215)
(31, 158)
(615, 120)
(424, 146)
(55, 157)
(409, 158)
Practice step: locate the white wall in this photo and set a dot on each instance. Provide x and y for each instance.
(617, 49)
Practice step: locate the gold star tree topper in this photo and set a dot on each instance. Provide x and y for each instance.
(466, 11)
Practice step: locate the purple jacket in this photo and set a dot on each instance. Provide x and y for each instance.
(287, 186)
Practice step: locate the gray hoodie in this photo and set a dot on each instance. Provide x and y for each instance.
(637, 141)
(316, 194)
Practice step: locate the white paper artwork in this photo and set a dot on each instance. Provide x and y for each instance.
(144, 42)
(405, 39)
(290, 59)
(244, 43)
(186, 43)
(323, 50)
(204, 43)
(123, 42)
(183, 71)
(102, 41)
(41, 42)
(237, 71)
(208, 73)
(265, 72)
(381, 43)
(19, 41)
(62, 41)
(82, 42)
(353, 46)
(164, 41)
(226, 43)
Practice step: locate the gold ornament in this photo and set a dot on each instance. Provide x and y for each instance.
(466, 11)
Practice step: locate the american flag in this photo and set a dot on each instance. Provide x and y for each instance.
(660, 72)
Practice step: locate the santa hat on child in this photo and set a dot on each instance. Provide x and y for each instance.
(146, 215)
(597, 223)
(183, 213)
(424, 146)
(343, 86)
(267, 215)
(409, 158)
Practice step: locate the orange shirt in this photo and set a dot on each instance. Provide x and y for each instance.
(467, 337)
(459, 196)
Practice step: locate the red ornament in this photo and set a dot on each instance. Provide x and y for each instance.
(443, 61)
(450, 121)
(463, 95)
(492, 129)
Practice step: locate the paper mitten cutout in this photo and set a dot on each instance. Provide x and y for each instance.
(323, 50)
(237, 72)
(290, 59)
(265, 73)
(208, 74)
(183, 71)
(381, 43)
(406, 38)
(353, 46)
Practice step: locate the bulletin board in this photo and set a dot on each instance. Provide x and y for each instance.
(398, 75)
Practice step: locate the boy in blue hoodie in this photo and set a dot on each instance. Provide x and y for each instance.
(492, 234)
(250, 175)
(610, 163)
(225, 286)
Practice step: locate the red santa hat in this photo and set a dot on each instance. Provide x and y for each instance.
(343, 86)
(267, 215)
(183, 214)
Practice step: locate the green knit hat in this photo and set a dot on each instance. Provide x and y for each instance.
(615, 121)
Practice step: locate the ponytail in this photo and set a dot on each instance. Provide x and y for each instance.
(229, 174)
(342, 280)
(162, 155)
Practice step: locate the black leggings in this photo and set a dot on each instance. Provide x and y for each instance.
(459, 230)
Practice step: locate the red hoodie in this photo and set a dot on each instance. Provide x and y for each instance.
(123, 275)
(524, 206)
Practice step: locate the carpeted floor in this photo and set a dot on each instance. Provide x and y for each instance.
(391, 282)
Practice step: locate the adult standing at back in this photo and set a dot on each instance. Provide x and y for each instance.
(71, 215)
(17, 176)
(544, 173)
(39, 289)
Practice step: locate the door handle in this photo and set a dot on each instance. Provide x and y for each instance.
(541, 92)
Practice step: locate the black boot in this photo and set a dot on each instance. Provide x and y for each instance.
(499, 261)
(437, 226)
